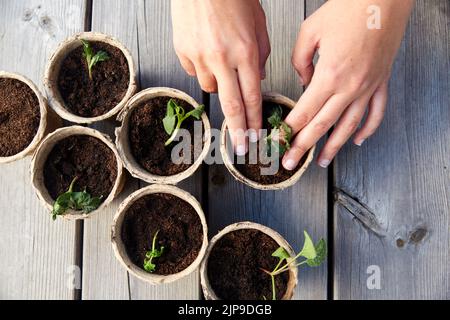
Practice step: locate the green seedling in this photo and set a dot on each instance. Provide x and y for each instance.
(79, 201)
(175, 115)
(91, 58)
(313, 256)
(149, 266)
(279, 139)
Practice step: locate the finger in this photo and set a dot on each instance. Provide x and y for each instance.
(233, 108)
(250, 84)
(264, 52)
(377, 107)
(311, 101)
(319, 126)
(346, 126)
(303, 54)
(262, 38)
(206, 79)
(187, 65)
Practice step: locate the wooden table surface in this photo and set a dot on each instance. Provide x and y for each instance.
(383, 207)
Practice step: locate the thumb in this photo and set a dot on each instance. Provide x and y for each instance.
(303, 54)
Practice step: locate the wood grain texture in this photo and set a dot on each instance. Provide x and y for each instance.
(37, 254)
(116, 18)
(301, 207)
(401, 175)
(144, 27)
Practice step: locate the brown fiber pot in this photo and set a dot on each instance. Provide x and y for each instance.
(49, 120)
(208, 290)
(272, 97)
(41, 155)
(123, 144)
(119, 247)
(54, 65)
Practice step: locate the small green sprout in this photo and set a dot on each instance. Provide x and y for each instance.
(91, 58)
(80, 201)
(175, 115)
(314, 256)
(279, 139)
(149, 266)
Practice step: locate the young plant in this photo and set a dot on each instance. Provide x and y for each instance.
(149, 266)
(80, 201)
(91, 58)
(279, 139)
(175, 115)
(313, 256)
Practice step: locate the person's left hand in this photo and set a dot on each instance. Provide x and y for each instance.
(352, 72)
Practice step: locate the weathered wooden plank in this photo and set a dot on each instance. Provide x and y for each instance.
(37, 255)
(144, 27)
(116, 18)
(401, 175)
(302, 207)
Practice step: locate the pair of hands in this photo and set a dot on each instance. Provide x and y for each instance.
(225, 44)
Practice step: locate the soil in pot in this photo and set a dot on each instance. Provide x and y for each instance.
(252, 171)
(179, 226)
(84, 157)
(147, 137)
(234, 266)
(19, 116)
(94, 97)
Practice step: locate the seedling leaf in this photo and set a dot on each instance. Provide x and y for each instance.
(281, 253)
(91, 58)
(196, 113)
(308, 251)
(79, 201)
(321, 249)
(170, 118)
(279, 139)
(175, 115)
(314, 255)
(149, 266)
(275, 118)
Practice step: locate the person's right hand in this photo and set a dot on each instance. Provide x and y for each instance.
(225, 44)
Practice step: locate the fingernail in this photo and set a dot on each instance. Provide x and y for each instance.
(289, 164)
(252, 136)
(240, 150)
(360, 142)
(324, 163)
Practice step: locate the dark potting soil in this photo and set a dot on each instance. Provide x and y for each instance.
(84, 157)
(19, 116)
(147, 138)
(179, 226)
(234, 266)
(110, 79)
(253, 171)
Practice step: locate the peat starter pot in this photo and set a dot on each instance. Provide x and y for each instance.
(24, 117)
(90, 77)
(253, 169)
(159, 234)
(76, 172)
(232, 268)
(152, 122)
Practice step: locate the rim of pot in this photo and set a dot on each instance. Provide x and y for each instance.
(54, 66)
(119, 247)
(276, 98)
(40, 158)
(293, 272)
(123, 142)
(42, 121)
